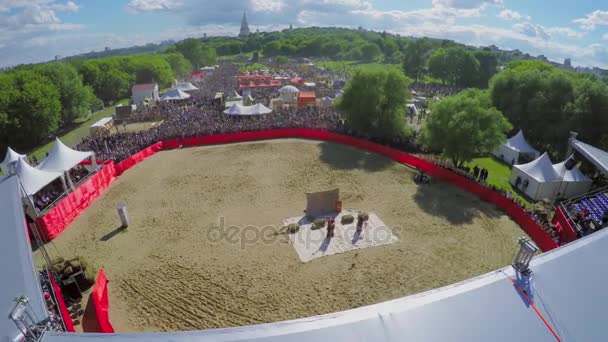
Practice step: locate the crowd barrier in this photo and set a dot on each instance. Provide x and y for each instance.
(63, 310)
(67, 210)
(137, 158)
(565, 230)
(101, 303)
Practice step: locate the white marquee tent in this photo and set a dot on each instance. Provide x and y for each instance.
(596, 156)
(10, 157)
(537, 179)
(19, 277)
(573, 183)
(33, 179)
(240, 110)
(514, 148)
(186, 86)
(175, 95)
(62, 158)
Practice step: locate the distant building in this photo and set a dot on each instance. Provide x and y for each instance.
(141, 92)
(244, 33)
(568, 63)
(542, 58)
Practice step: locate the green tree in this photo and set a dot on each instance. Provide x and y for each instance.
(113, 85)
(179, 64)
(150, 69)
(282, 60)
(464, 126)
(370, 52)
(374, 101)
(488, 67)
(455, 66)
(415, 56)
(197, 53)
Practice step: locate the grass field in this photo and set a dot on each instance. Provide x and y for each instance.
(499, 174)
(207, 251)
(78, 130)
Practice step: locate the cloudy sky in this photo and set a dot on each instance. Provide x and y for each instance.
(37, 30)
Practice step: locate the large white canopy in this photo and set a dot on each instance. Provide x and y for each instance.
(62, 158)
(289, 89)
(515, 146)
(596, 156)
(574, 183)
(19, 277)
(10, 157)
(33, 179)
(537, 179)
(175, 95)
(186, 86)
(257, 109)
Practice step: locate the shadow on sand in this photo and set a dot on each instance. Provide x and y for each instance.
(113, 233)
(349, 158)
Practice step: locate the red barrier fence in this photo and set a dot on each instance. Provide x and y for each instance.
(137, 158)
(63, 310)
(67, 210)
(564, 227)
(101, 302)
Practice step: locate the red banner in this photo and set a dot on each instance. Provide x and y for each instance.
(102, 303)
(67, 210)
(65, 314)
(564, 227)
(137, 158)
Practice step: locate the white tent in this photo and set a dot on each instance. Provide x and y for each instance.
(327, 101)
(186, 86)
(10, 157)
(237, 96)
(537, 179)
(289, 89)
(33, 179)
(257, 109)
(175, 95)
(17, 265)
(412, 109)
(62, 158)
(596, 156)
(514, 147)
(573, 183)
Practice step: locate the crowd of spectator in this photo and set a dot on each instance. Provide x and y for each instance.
(432, 90)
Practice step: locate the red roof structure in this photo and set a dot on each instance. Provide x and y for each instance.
(307, 98)
(258, 81)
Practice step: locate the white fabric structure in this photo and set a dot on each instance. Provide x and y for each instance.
(289, 89)
(412, 109)
(141, 92)
(567, 287)
(326, 101)
(289, 94)
(62, 158)
(257, 109)
(537, 179)
(186, 86)
(596, 156)
(33, 179)
(236, 95)
(10, 157)
(17, 265)
(573, 183)
(175, 95)
(514, 147)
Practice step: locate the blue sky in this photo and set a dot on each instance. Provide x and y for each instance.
(38, 30)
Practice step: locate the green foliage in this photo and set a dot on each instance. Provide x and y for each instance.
(464, 126)
(282, 60)
(370, 52)
(179, 64)
(488, 67)
(455, 66)
(196, 52)
(415, 56)
(374, 101)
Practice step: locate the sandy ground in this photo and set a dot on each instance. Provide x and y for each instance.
(201, 250)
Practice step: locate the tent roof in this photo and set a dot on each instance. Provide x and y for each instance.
(186, 86)
(540, 169)
(574, 175)
(257, 109)
(33, 179)
(289, 89)
(20, 277)
(485, 308)
(518, 143)
(175, 94)
(598, 157)
(62, 158)
(11, 156)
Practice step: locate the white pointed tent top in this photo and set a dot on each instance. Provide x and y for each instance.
(518, 143)
(175, 94)
(186, 86)
(11, 156)
(540, 169)
(598, 157)
(257, 109)
(236, 95)
(289, 89)
(33, 179)
(62, 158)
(574, 175)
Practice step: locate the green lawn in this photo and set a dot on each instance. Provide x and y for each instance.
(350, 67)
(80, 130)
(499, 174)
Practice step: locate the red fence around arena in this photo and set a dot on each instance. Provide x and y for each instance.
(137, 158)
(67, 210)
(101, 302)
(63, 310)
(564, 227)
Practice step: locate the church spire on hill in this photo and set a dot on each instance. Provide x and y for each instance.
(244, 27)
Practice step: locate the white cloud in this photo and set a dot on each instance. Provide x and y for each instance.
(593, 19)
(564, 31)
(154, 5)
(508, 14)
(605, 36)
(466, 4)
(531, 30)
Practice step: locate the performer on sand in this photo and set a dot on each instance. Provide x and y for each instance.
(359, 225)
(331, 225)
